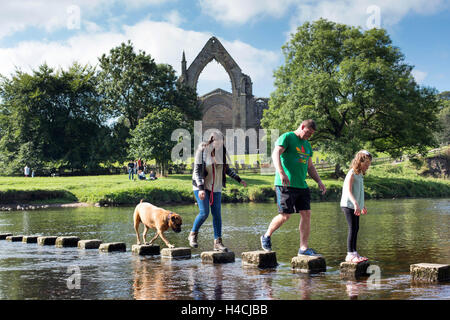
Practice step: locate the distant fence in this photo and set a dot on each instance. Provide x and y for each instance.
(183, 168)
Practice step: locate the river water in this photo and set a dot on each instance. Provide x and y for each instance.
(394, 234)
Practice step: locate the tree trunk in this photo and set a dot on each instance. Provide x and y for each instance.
(338, 172)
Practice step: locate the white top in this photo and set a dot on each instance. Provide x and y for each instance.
(218, 168)
(357, 190)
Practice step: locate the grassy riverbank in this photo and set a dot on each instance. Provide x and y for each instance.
(382, 181)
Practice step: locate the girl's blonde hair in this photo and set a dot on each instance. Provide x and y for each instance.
(360, 158)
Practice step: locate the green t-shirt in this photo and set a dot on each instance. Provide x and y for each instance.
(294, 159)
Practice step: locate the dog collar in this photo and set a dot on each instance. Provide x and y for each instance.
(169, 216)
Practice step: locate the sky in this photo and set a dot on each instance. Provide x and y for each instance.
(60, 32)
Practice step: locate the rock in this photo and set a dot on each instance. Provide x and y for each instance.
(4, 235)
(62, 242)
(145, 249)
(89, 244)
(438, 167)
(351, 270)
(113, 246)
(30, 239)
(176, 253)
(47, 240)
(217, 257)
(14, 238)
(430, 272)
(260, 259)
(309, 264)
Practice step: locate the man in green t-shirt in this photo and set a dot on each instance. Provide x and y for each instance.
(292, 158)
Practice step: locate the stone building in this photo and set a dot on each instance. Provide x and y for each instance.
(223, 110)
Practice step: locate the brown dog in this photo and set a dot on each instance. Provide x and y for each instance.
(155, 218)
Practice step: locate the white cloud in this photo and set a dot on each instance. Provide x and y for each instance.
(141, 3)
(419, 75)
(238, 11)
(164, 41)
(353, 12)
(174, 17)
(51, 15)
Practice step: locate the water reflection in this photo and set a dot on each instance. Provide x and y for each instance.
(151, 279)
(393, 235)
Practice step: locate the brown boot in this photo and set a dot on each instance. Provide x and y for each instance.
(218, 245)
(193, 239)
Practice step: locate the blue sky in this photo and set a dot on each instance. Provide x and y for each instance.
(60, 32)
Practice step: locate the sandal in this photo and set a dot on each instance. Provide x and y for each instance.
(354, 259)
(362, 257)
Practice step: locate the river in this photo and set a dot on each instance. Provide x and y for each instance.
(394, 234)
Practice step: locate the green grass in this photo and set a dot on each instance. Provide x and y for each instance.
(382, 181)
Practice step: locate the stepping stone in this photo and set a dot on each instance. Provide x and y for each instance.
(63, 242)
(47, 240)
(145, 249)
(430, 272)
(176, 253)
(4, 235)
(30, 239)
(14, 238)
(308, 264)
(217, 257)
(113, 246)
(261, 259)
(352, 270)
(89, 244)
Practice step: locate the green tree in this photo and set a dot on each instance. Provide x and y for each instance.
(443, 136)
(133, 85)
(444, 95)
(151, 139)
(50, 118)
(358, 89)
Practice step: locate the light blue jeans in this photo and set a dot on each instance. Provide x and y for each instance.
(204, 206)
(130, 174)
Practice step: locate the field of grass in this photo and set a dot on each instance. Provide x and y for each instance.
(382, 181)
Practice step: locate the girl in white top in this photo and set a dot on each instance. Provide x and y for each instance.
(352, 201)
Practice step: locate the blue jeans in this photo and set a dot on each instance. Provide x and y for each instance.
(130, 174)
(204, 206)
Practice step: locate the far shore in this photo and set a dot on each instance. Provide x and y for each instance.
(18, 207)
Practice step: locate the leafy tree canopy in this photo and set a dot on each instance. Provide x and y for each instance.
(132, 85)
(357, 87)
(151, 139)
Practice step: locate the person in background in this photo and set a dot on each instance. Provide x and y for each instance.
(131, 170)
(152, 175)
(26, 171)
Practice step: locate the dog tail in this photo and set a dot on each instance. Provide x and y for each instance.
(142, 200)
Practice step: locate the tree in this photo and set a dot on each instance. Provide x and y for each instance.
(444, 95)
(357, 88)
(443, 136)
(49, 117)
(133, 85)
(151, 139)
